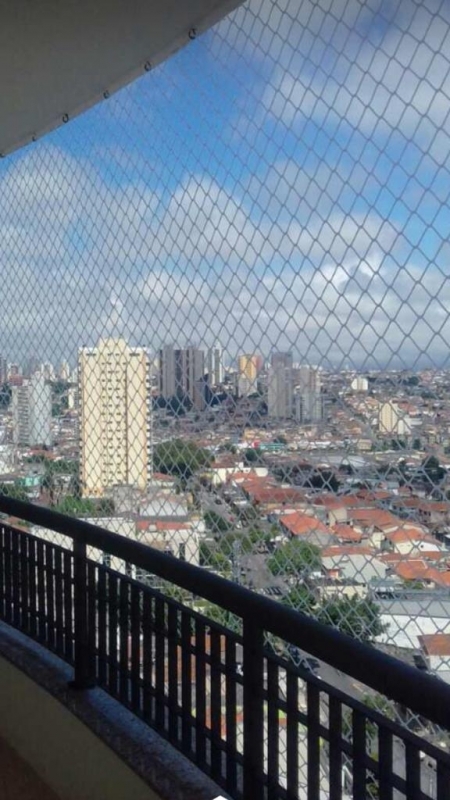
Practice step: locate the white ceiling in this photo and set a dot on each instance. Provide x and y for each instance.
(58, 57)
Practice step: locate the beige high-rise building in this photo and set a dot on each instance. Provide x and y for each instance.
(248, 370)
(392, 420)
(114, 416)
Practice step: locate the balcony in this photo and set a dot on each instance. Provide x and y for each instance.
(245, 701)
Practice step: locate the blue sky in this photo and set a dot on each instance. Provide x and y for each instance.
(283, 182)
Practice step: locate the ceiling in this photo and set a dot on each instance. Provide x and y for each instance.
(58, 57)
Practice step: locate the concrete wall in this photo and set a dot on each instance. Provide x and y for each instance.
(68, 756)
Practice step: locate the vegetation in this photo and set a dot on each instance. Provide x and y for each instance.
(295, 558)
(301, 598)
(211, 556)
(432, 470)
(354, 616)
(59, 397)
(252, 456)
(5, 395)
(180, 458)
(216, 523)
(14, 490)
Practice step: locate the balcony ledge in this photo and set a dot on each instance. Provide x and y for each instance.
(138, 761)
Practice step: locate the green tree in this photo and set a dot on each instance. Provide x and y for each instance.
(301, 598)
(216, 523)
(77, 506)
(354, 616)
(14, 490)
(5, 395)
(211, 556)
(432, 470)
(295, 557)
(180, 458)
(252, 455)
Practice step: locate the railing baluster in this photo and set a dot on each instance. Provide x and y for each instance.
(216, 703)
(59, 604)
(2, 571)
(186, 682)
(230, 715)
(442, 781)
(253, 711)
(15, 575)
(172, 672)
(124, 610)
(84, 676)
(135, 649)
(32, 597)
(335, 743)
(359, 748)
(292, 723)
(111, 599)
(273, 730)
(148, 656)
(385, 761)
(102, 629)
(313, 741)
(24, 583)
(160, 653)
(412, 761)
(41, 576)
(92, 619)
(50, 595)
(200, 695)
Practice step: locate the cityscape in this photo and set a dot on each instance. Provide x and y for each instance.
(326, 491)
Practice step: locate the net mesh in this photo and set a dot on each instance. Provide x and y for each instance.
(224, 326)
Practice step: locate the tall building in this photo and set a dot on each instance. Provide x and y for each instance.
(193, 371)
(64, 371)
(214, 366)
(180, 371)
(3, 370)
(248, 370)
(115, 416)
(280, 386)
(360, 384)
(169, 371)
(32, 412)
(308, 397)
(392, 420)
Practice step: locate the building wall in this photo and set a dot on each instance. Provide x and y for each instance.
(114, 416)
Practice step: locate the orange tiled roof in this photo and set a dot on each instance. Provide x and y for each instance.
(435, 644)
(374, 516)
(346, 533)
(299, 524)
(346, 550)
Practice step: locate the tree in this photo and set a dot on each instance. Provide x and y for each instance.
(354, 616)
(295, 557)
(252, 455)
(432, 470)
(13, 490)
(212, 557)
(180, 458)
(76, 506)
(216, 523)
(301, 598)
(5, 395)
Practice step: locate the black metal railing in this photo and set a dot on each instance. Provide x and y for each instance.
(230, 699)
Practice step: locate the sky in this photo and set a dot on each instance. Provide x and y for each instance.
(280, 184)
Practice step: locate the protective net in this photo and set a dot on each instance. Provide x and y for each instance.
(224, 313)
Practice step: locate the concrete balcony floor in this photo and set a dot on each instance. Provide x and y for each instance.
(18, 781)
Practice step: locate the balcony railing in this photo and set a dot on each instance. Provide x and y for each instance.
(230, 698)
